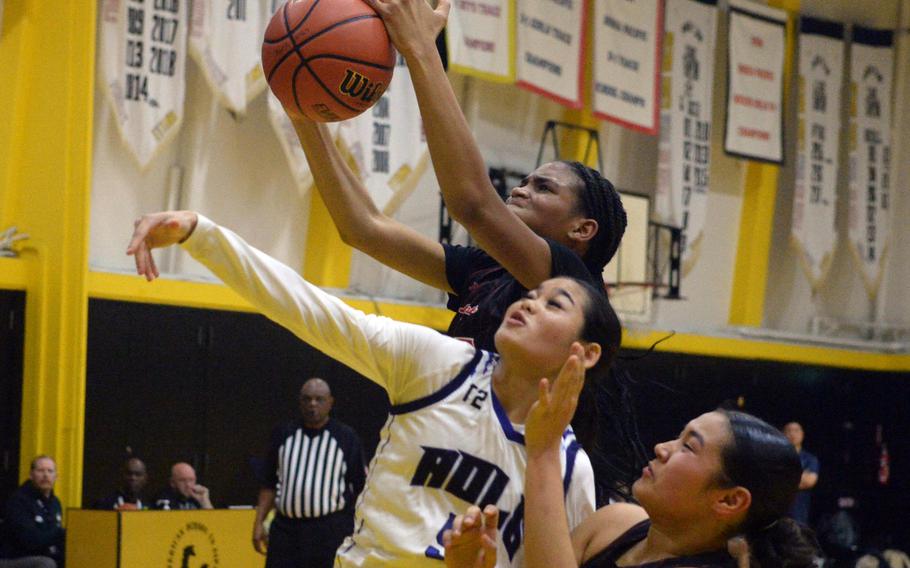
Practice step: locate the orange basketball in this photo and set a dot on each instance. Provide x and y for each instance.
(328, 60)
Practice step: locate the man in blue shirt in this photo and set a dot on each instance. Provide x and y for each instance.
(33, 534)
(800, 511)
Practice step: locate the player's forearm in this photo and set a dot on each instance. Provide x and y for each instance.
(548, 542)
(347, 200)
(457, 161)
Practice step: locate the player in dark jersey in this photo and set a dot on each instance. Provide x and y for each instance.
(727, 474)
(564, 219)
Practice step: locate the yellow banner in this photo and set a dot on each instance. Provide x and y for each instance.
(161, 539)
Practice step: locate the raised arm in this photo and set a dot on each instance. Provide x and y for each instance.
(469, 196)
(361, 224)
(548, 542)
(409, 361)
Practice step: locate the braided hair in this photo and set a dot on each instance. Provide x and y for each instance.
(599, 200)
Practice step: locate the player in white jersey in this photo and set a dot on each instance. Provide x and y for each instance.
(454, 435)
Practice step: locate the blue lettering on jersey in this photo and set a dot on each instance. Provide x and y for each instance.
(467, 477)
(512, 528)
(436, 551)
(474, 480)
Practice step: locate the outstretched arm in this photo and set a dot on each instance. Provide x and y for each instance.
(408, 361)
(460, 168)
(359, 222)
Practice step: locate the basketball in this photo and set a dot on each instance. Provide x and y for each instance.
(328, 60)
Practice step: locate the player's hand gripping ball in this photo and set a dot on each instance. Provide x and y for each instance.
(327, 60)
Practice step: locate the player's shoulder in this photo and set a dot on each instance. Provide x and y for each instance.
(608, 524)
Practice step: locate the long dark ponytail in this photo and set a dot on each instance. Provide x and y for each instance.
(763, 461)
(605, 423)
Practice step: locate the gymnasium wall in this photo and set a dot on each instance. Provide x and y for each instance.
(791, 303)
(66, 179)
(234, 171)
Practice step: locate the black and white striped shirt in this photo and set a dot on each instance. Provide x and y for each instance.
(315, 472)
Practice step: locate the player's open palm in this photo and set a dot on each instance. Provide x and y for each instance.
(555, 405)
(156, 230)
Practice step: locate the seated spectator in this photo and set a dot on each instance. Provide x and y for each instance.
(184, 493)
(129, 496)
(33, 535)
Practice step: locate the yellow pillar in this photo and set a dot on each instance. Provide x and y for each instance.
(760, 181)
(47, 61)
(328, 259)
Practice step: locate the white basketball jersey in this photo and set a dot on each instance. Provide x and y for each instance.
(448, 442)
(437, 456)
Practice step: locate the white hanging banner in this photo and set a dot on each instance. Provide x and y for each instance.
(755, 85)
(143, 53)
(387, 143)
(869, 219)
(290, 144)
(551, 39)
(626, 72)
(287, 136)
(684, 156)
(480, 35)
(821, 62)
(226, 41)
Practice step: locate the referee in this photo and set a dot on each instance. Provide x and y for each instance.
(315, 472)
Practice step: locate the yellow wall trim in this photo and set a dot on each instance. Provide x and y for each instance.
(13, 274)
(127, 288)
(131, 288)
(736, 348)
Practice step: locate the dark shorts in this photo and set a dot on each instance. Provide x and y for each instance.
(307, 543)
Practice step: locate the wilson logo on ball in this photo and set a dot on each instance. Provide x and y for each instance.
(356, 86)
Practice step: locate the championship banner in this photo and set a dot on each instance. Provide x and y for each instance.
(684, 156)
(626, 71)
(870, 152)
(481, 39)
(551, 39)
(143, 54)
(226, 42)
(755, 82)
(821, 62)
(387, 144)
